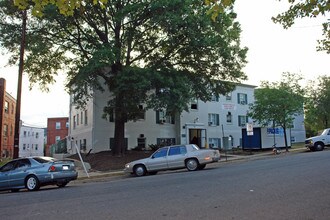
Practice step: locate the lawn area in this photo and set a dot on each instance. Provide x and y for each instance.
(298, 145)
(3, 161)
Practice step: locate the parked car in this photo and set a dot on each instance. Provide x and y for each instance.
(318, 143)
(173, 157)
(34, 172)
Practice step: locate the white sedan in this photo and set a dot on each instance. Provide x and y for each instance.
(173, 157)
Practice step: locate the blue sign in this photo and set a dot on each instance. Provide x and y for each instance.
(276, 131)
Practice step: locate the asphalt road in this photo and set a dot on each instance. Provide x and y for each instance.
(295, 186)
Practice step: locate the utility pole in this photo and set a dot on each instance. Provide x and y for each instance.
(19, 87)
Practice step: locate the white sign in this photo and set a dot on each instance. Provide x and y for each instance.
(249, 129)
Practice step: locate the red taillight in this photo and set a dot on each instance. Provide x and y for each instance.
(52, 169)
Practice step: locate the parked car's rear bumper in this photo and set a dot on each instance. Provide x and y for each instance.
(58, 177)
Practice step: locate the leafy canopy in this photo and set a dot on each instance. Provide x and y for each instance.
(67, 7)
(317, 107)
(310, 9)
(127, 49)
(278, 102)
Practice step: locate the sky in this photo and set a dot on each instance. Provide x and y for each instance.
(272, 51)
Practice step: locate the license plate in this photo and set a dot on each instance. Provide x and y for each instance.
(65, 167)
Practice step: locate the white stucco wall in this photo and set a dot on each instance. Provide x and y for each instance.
(31, 141)
(98, 131)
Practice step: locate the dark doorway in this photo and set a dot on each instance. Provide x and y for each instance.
(198, 137)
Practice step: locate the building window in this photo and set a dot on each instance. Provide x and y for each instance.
(36, 146)
(37, 134)
(229, 118)
(215, 98)
(24, 133)
(57, 139)
(141, 114)
(67, 124)
(5, 130)
(242, 98)
(112, 116)
(6, 107)
(213, 120)
(11, 130)
(77, 119)
(83, 144)
(58, 125)
(24, 146)
(74, 122)
(242, 120)
(86, 119)
(162, 118)
(165, 141)
(81, 117)
(215, 143)
(228, 96)
(194, 104)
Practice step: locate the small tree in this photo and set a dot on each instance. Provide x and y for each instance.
(278, 103)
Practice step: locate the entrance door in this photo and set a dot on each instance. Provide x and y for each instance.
(198, 137)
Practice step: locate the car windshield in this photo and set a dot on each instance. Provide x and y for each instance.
(194, 147)
(44, 159)
(325, 132)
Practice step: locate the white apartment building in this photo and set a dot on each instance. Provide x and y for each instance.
(31, 141)
(217, 124)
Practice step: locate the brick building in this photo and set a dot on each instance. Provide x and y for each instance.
(7, 121)
(57, 129)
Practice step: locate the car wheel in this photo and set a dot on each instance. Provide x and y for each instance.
(62, 184)
(140, 170)
(32, 183)
(202, 166)
(319, 146)
(192, 164)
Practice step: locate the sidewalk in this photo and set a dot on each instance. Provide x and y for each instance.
(82, 175)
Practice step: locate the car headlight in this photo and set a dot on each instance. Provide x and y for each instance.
(127, 166)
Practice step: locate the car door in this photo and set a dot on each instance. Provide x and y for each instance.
(18, 174)
(4, 174)
(176, 157)
(327, 138)
(158, 161)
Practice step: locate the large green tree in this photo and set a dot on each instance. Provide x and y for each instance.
(278, 103)
(67, 7)
(131, 48)
(317, 107)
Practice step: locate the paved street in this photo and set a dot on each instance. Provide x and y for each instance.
(292, 186)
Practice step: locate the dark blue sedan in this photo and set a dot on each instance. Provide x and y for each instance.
(33, 172)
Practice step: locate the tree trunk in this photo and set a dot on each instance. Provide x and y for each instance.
(120, 119)
(285, 139)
